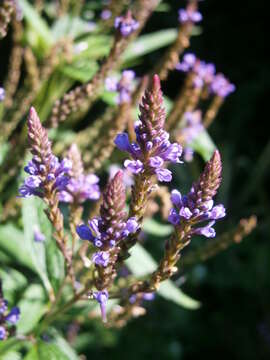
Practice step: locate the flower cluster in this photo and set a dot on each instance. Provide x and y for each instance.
(153, 147)
(7, 318)
(145, 296)
(189, 15)
(45, 169)
(205, 74)
(123, 86)
(106, 233)
(105, 239)
(81, 187)
(198, 205)
(192, 128)
(126, 25)
(2, 94)
(221, 86)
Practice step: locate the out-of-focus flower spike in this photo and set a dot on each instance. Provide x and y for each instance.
(74, 156)
(7, 9)
(40, 146)
(114, 200)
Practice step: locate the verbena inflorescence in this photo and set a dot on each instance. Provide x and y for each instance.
(94, 220)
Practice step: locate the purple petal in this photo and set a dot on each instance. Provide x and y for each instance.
(164, 175)
(85, 233)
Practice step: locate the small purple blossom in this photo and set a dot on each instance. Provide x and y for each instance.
(83, 188)
(3, 333)
(126, 25)
(152, 147)
(124, 86)
(94, 233)
(189, 15)
(34, 184)
(206, 231)
(13, 316)
(102, 299)
(38, 236)
(105, 14)
(221, 86)
(2, 94)
(101, 258)
(197, 206)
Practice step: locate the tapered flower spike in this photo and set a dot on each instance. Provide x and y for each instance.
(187, 215)
(113, 205)
(207, 185)
(149, 153)
(77, 165)
(109, 231)
(40, 145)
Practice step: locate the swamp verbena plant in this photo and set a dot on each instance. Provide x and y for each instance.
(87, 250)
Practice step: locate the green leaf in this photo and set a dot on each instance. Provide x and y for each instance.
(148, 43)
(32, 217)
(32, 307)
(64, 346)
(141, 264)
(152, 226)
(9, 346)
(204, 145)
(46, 351)
(82, 70)
(70, 26)
(13, 282)
(12, 355)
(37, 24)
(12, 242)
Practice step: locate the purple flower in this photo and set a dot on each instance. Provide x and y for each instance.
(101, 258)
(3, 333)
(13, 316)
(156, 161)
(83, 188)
(122, 142)
(218, 212)
(221, 86)
(189, 15)
(126, 25)
(102, 299)
(197, 206)
(34, 184)
(152, 148)
(85, 233)
(38, 236)
(132, 225)
(148, 296)
(124, 86)
(206, 231)
(135, 166)
(174, 217)
(164, 175)
(3, 306)
(185, 213)
(105, 14)
(2, 94)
